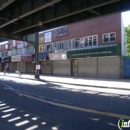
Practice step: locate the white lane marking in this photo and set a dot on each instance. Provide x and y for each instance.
(4, 116)
(22, 123)
(34, 118)
(26, 115)
(8, 110)
(32, 127)
(14, 119)
(4, 107)
(2, 104)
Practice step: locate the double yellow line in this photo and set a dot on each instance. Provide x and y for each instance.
(77, 108)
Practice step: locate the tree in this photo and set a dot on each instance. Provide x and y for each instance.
(127, 30)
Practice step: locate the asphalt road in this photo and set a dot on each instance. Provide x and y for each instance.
(35, 105)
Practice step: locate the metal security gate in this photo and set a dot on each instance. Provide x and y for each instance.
(62, 67)
(88, 67)
(109, 67)
(30, 67)
(21, 66)
(12, 66)
(46, 67)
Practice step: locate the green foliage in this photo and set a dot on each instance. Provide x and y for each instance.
(127, 30)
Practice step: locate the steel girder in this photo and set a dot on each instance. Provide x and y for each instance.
(26, 17)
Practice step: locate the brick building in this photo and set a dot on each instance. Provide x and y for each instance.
(90, 48)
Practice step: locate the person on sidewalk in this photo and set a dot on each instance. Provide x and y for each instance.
(5, 68)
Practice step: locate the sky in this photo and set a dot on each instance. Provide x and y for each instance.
(126, 18)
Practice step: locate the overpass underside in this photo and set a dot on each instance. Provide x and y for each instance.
(22, 17)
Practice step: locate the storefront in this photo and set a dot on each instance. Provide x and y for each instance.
(6, 60)
(26, 61)
(46, 64)
(16, 61)
(46, 67)
(61, 65)
(88, 52)
(102, 61)
(12, 66)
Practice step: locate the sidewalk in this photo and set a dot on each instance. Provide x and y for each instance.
(81, 81)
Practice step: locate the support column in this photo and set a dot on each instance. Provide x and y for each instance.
(37, 54)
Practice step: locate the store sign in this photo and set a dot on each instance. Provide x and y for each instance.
(6, 46)
(20, 46)
(38, 67)
(48, 37)
(7, 59)
(58, 55)
(26, 58)
(41, 40)
(114, 50)
(61, 32)
(16, 58)
(14, 43)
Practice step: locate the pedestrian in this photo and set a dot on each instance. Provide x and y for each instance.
(8, 69)
(5, 68)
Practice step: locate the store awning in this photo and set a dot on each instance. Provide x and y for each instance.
(28, 57)
(44, 56)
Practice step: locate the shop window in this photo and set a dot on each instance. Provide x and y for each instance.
(2, 54)
(72, 44)
(14, 52)
(86, 42)
(112, 37)
(109, 37)
(48, 47)
(51, 47)
(106, 38)
(75, 43)
(6, 53)
(55, 47)
(60, 45)
(81, 42)
(91, 41)
(67, 44)
(94, 40)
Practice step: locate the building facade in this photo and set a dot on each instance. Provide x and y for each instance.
(90, 48)
(18, 55)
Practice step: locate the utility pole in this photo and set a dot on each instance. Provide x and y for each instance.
(37, 54)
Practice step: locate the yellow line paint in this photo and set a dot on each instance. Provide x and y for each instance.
(78, 108)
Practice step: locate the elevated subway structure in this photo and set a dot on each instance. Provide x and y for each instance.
(19, 19)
